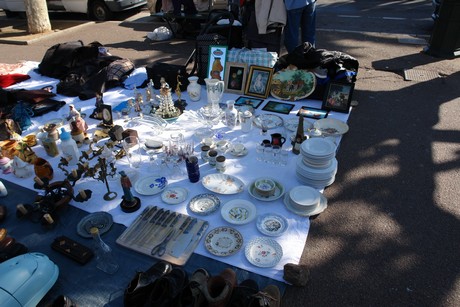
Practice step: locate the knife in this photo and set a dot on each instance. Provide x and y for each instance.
(183, 240)
(195, 239)
(157, 229)
(148, 227)
(181, 228)
(138, 223)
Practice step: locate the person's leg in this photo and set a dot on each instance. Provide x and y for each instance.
(292, 28)
(308, 24)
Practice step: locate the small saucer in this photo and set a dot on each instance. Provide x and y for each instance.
(174, 195)
(102, 220)
(238, 154)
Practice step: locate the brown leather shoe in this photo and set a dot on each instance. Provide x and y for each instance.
(270, 296)
(220, 287)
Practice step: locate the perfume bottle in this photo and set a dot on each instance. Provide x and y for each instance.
(103, 252)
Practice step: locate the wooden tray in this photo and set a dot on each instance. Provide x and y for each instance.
(149, 230)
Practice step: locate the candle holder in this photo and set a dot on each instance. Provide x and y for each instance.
(103, 168)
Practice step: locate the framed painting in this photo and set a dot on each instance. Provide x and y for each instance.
(248, 101)
(235, 77)
(216, 62)
(278, 107)
(258, 83)
(338, 97)
(312, 112)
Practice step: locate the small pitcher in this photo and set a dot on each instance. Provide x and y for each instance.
(278, 139)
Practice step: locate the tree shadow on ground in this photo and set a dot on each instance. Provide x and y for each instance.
(390, 234)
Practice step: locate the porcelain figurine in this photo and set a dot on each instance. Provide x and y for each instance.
(21, 169)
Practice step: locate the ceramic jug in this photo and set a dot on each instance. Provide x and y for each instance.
(194, 89)
(214, 90)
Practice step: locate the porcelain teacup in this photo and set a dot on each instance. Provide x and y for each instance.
(237, 148)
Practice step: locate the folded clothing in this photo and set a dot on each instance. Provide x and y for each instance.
(10, 79)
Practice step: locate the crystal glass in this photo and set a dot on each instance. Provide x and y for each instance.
(214, 90)
(132, 147)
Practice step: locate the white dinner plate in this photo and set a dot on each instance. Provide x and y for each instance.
(311, 211)
(238, 211)
(263, 252)
(150, 185)
(222, 183)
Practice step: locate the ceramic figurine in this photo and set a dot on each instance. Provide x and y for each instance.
(129, 203)
(21, 169)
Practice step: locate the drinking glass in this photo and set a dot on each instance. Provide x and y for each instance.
(132, 147)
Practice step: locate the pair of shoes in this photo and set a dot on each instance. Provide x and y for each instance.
(270, 296)
(167, 290)
(243, 293)
(219, 288)
(139, 288)
(192, 295)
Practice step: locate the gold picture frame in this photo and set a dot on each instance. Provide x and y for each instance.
(258, 82)
(235, 77)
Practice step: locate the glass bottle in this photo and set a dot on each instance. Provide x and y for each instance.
(299, 136)
(103, 253)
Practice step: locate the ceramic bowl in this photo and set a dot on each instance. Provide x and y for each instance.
(265, 187)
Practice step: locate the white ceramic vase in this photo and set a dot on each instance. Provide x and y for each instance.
(194, 89)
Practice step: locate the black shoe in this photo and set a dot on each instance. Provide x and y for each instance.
(139, 288)
(167, 289)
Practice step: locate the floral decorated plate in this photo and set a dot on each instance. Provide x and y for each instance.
(238, 211)
(204, 204)
(150, 185)
(222, 184)
(174, 195)
(263, 252)
(223, 241)
(271, 224)
(292, 84)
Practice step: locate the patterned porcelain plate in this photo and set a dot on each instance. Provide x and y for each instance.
(102, 220)
(223, 241)
(271, 224)
(174, 195)
(222, 184)
(204, 204)
(238, 211)
(263, 252)
(150, 185)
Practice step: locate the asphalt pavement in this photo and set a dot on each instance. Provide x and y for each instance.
(391, 233)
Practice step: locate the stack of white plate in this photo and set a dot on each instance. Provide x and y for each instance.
(305, 201)
(316, 164)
